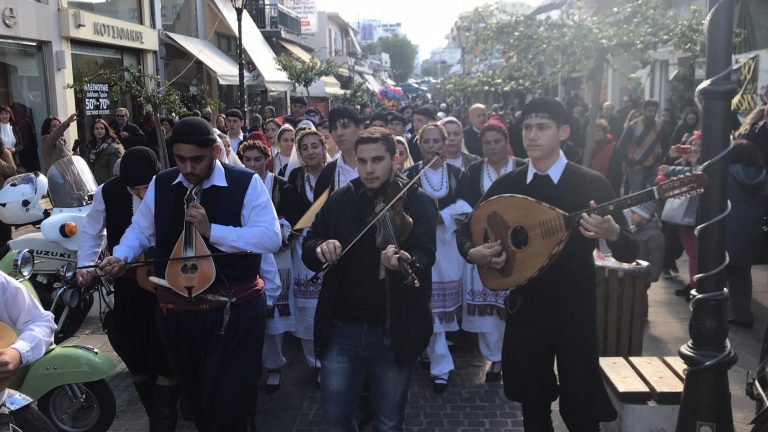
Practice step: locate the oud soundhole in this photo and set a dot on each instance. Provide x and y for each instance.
(518, 237)
(189, 269)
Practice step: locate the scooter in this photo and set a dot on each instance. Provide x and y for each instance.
(68, 382)
(70, 187)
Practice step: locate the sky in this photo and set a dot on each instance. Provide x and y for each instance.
(425, 22)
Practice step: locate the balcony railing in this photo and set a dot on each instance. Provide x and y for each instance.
(275, 17)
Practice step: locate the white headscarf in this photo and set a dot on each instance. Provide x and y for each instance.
(295, 162)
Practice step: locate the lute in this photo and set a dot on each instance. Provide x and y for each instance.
(191, 270)
(7, 338)
(533, 233)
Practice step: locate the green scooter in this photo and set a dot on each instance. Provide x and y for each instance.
(68, 382)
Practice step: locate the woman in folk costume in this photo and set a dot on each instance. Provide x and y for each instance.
(484, 311)
(255, 155)
(310, 151)
(448, 186)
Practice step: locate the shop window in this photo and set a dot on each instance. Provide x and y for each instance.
(23, 86)
(179, 16)
(125, 10)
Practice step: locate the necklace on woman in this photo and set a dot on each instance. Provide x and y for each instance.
(440, 183)
(310, 183)
(501, 172)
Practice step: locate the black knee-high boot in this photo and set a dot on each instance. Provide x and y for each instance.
(163, 418)
(146, 391)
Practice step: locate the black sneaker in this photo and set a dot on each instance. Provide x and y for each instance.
(440, 385)
(684, 291)
(493, 375)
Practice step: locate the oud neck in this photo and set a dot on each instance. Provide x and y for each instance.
(572, 220)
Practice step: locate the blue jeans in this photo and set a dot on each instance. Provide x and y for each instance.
(355, 351)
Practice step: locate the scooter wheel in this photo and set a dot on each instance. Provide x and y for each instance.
(28, 419)
(95, 414)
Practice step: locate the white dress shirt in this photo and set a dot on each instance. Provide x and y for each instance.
(93, 231)
(235, 142)
(554, 172)
(259, 233)
(344, 173)
(24, 314)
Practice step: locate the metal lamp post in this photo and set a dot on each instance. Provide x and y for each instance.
(706, 402)
(239, 6)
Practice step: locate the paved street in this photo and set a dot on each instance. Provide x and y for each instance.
(469, 404)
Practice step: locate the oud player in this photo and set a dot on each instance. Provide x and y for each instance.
(131, 330)
(367, 321)
(214, 340)
(553, 316)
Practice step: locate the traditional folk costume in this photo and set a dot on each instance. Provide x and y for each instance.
(553, 315)
(214, 341)
(304, 295)
(483, 310)
(279, 317)
(131, 326)
(449, 189)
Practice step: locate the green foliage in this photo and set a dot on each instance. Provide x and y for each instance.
(359, 95)
(303, 73)
(402, 55)
(147, 89)
(526, 53)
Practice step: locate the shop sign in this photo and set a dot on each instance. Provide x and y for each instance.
(117, 33)
(307, 12)
(97, 99)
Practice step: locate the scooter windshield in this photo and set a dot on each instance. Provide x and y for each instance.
(71, 183)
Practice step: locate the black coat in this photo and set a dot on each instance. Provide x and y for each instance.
(135, 136)
(409, 309)
(747, 192)
(472, 141)
(558, 307)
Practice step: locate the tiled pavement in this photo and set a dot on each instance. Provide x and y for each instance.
(469, 404)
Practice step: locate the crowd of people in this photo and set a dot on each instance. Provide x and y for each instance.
(280, 202)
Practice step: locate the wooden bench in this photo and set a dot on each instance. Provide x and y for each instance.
(646, 392)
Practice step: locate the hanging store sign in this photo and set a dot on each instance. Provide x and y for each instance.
(97, 99)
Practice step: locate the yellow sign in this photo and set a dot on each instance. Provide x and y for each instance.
(746, 100)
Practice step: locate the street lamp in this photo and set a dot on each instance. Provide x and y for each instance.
(462, 33)
(239, 6)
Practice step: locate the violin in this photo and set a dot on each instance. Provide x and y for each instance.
(191, 269)
(383, 211)
(394, 226)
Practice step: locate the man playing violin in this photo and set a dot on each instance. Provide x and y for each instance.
(131, 326)
(369, 321)
(213, 340)
(553, 316)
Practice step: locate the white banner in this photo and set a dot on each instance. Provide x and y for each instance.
(307, 11)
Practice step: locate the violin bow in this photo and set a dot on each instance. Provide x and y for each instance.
(157, 260)
(407, 186)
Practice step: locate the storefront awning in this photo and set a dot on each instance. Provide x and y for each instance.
(257, 48)
(221, 64)
(325, 86)
(296, 50)
(370, 81)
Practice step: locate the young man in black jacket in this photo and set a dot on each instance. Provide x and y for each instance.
(554, 314)
(368, 321)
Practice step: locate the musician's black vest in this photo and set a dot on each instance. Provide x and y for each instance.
(118, 209)
(224, 207)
